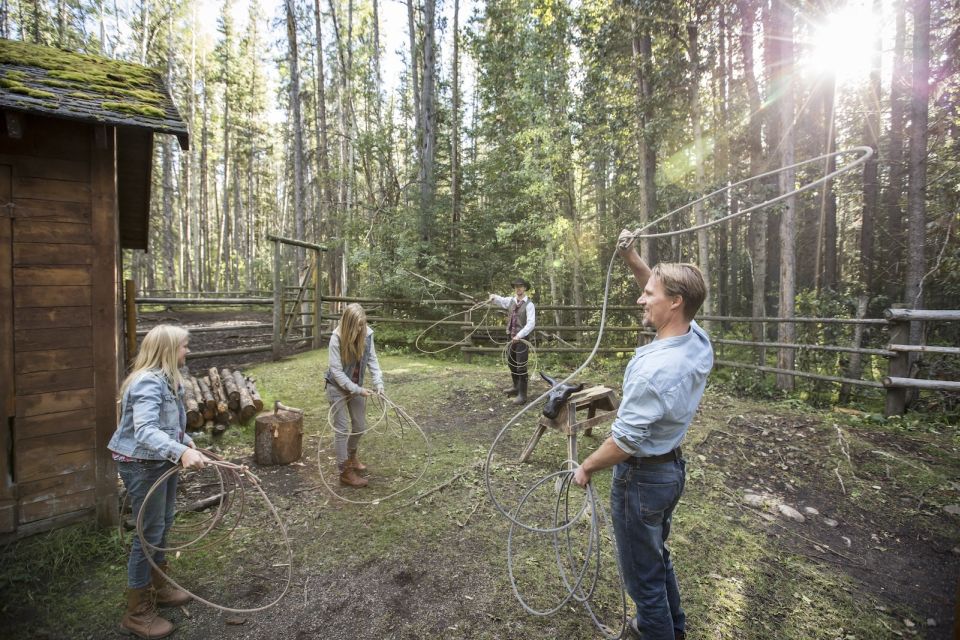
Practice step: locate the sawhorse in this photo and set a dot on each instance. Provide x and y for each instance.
(593, 399)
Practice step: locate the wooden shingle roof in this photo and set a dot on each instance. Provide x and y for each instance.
(73, 86)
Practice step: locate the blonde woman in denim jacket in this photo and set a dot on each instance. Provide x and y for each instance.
(351, 353)
(150, 439)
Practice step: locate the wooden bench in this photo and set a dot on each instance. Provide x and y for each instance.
(594, 399)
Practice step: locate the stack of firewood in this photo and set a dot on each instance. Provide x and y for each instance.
(219, 399)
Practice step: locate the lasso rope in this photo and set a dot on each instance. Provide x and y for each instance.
(640, 233)
(237, 474)
(402, 419)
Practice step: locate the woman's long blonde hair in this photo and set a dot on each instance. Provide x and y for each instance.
(159, 350)
(353, 333)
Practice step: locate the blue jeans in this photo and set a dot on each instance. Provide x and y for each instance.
(158, 514)
(643, 498)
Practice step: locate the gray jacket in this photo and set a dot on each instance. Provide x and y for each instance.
(153, 420)
(340, 374)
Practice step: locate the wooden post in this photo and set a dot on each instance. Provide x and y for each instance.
(8, 399)
(277, 301)
(105, 300)
(898, 367)
(316, 299)
(130, 295)
(468, 338)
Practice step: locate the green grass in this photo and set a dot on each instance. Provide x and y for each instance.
(740, 577)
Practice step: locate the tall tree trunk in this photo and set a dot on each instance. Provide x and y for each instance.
(721, 167)
(899, 85)
(757, 232)
(414, 69)
(428, 122)
(297, 129)
(786, 331)
(700, 215)
(871, 184)
(344, 120)
(455, 137)
(917, 189)
(324, 177)
(646, 152)
(189, 273)
(825, 271)
(204, 267)
(169, 243)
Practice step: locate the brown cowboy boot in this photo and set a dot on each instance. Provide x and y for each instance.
(167, 594)
(355, 462)
(349, 476)
(141, 618)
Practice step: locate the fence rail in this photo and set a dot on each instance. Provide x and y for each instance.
(896, 349)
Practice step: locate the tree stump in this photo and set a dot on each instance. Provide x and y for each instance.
(279, 437)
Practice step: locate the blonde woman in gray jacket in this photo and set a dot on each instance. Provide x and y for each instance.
(351, 353)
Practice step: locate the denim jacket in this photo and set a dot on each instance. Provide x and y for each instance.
(340, 374)
(152, 420)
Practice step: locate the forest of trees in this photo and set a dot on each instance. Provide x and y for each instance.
(522, 135)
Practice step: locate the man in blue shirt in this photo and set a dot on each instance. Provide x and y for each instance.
(662, 387)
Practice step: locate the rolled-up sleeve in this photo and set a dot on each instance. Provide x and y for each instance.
(146, 397)
(641, 407)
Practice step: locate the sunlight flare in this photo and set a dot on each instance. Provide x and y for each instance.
(842, 42)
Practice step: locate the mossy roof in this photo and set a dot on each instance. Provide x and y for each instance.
(73, 86)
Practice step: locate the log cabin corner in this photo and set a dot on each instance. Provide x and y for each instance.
(76, 150)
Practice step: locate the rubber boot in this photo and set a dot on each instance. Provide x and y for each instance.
(167, 594)
(355, 462)
(512, 391)
(141, 618)
(349, 476)
(522, 391)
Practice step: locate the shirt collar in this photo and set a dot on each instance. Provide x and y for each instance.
(664, 343)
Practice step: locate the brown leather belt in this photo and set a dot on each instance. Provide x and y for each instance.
(670, 456)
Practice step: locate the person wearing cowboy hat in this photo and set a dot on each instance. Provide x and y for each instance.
(521, 319)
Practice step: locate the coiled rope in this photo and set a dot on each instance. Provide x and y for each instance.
(638, 234)
(403, 423)
(236, 474)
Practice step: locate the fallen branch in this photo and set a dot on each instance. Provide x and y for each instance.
(205, 503)
(441, 486)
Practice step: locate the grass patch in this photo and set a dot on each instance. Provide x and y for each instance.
(431, 563)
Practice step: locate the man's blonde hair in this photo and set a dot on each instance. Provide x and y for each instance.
(159, 350)
(684, 280)
(353, 333)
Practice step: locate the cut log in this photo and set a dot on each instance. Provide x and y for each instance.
(194, 417)
(210, 405)
(230, 386)
(247, 408)
(254, 395)
(204, 399)
(216, 385)
(278, 438)
(222, 415)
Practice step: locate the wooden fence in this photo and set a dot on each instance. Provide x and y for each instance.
(892, 351)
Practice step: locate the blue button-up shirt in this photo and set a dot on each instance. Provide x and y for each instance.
(662, 387)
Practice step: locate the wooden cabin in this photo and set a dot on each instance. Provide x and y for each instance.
(76, 151)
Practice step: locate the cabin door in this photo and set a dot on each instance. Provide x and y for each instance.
(8, 495)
